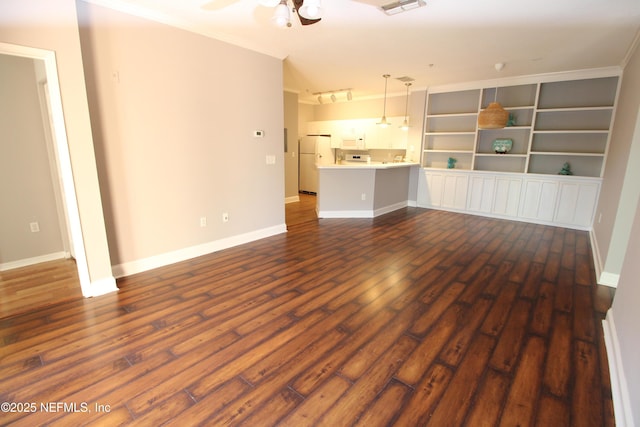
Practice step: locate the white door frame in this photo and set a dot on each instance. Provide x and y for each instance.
(59, 134)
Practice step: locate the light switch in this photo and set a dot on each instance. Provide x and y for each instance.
(271, 160)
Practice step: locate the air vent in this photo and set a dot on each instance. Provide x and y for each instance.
(405, 79)
(401, 6)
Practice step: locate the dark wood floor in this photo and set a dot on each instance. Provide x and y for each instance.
(29, 288)
(418, 317)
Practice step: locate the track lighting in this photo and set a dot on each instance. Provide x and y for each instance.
(333, 96)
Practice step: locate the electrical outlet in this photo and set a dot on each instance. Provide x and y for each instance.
(203, 221)
(225, 217)
(271, 160)
(34, 226)
(364, 196)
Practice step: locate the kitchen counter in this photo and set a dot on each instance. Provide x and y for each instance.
(365, 189)
(367, 165)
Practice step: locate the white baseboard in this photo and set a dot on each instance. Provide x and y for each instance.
(100, 287)
(619, 388)
(35, 260)
(369, 213)
(390, 208)
(608, 279)
(138, 266)
(291, 199)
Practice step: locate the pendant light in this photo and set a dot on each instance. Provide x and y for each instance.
(383, 121)
(405, 124)
(494, 116)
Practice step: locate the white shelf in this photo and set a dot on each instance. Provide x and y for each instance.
(565, 153)
(449, 151)
(452, 115)
(505, 156)
(559, 122)
(563, 109)
(569, 131)
(451, 133)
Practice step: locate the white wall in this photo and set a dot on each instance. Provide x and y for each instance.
(621, 182)
(52, 25)
(173, 115)
(624, 348)
(618, 240)
(26, 187)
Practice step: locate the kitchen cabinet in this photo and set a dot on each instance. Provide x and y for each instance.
(550, 200)
(446, 190)
(376, 137)
(494, 194)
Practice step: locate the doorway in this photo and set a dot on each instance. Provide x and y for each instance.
(66, 207)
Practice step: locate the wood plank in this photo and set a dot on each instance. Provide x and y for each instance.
(558, 368)
(586, 400)
(457, 398)
(522, 400)
(507, 350)
(489, 402)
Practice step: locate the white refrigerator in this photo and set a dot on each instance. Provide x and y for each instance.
(313, 151)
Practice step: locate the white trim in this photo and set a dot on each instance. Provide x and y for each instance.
(34, 260)
(609, 279)
(102, 287)
(291, 199)
(389, 208)
(62, 148)
(530, 79)
(346, 214)
(619, 388)
(156, 261)
(363, 213)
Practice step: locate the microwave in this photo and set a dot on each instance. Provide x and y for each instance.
(353, 142)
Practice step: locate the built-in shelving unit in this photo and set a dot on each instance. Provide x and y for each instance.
(555, 123)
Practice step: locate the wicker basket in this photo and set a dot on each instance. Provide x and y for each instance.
(493, 117)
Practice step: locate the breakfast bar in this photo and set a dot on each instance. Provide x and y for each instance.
(364, 189)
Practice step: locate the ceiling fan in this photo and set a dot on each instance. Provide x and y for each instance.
(308, 11)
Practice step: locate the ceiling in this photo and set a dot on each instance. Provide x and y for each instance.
(444, 42)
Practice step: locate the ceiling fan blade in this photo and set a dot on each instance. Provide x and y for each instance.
(217, 4)
(303, 20)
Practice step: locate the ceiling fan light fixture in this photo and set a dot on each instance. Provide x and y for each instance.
(311, 9)
(281, 15)
(333, 97)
